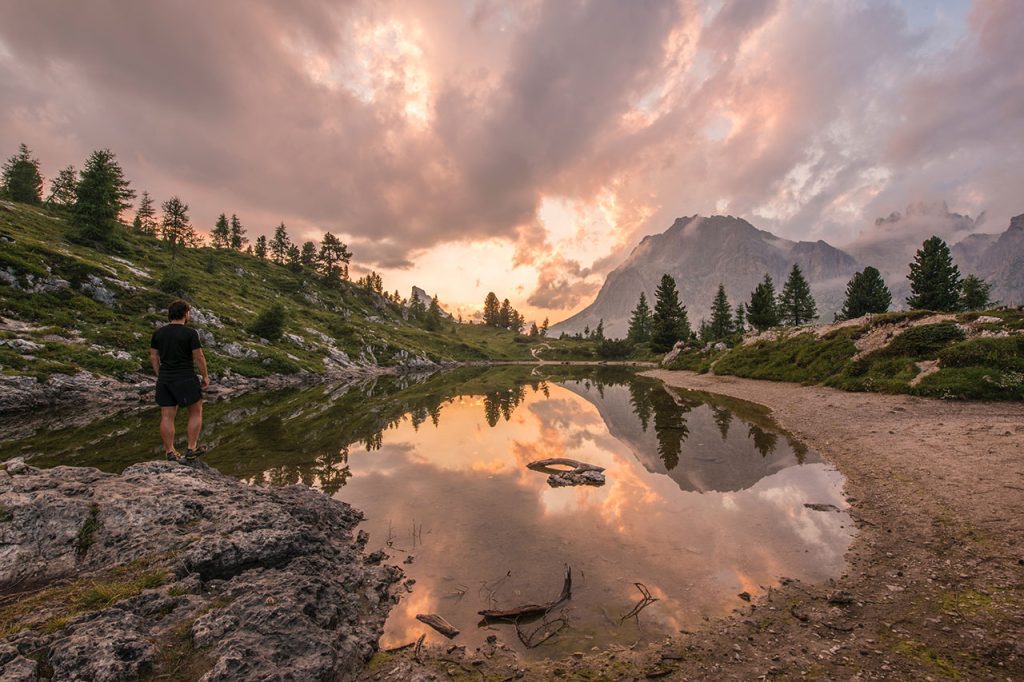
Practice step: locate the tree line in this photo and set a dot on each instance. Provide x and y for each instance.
(935, 284)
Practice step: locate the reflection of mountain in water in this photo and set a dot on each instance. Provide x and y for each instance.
(701, 446)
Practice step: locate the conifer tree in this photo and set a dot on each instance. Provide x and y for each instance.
(976, 293)
(279, 244)
(334, 258)
(62, 189)
(544, 327)
(145, 216)
(238, 240)
(796, 304)
(434, 315)
(20, 179)
(640, 321)
(492, 310)
(175, 227)
(220, 237)
(721, 325)
(669, 323)
(308, 255)
(741, 319)
(865, 293)
(294, 258)
(260, 247)
(417, 308)
(534, 330)
(598, 334)
(100, 197)
(934, 278)
(762, 311)
(505, 315)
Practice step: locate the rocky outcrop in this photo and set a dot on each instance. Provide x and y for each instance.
(182, 572)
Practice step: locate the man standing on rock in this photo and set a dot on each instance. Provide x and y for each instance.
(175, 352)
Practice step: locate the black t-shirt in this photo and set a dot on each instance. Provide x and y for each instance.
(174, 344)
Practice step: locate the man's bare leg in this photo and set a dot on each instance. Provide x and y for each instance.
(195, 424)
(167, 427)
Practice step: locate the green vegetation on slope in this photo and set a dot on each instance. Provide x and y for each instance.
(54, 284)
(892, 353)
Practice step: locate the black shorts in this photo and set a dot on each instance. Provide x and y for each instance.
(178, 392)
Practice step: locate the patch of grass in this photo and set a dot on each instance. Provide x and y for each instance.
(87, 533)
(801, 358)
(927, 657)
(923, 342)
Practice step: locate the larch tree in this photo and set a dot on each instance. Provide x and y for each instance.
(544, 327)
(145, 216)
(63, 188)
(259, 248)
(866, 293)
(976, 293)
(763, 311)
(740, 324)
(669, 323)
(721, 325)
(492, 310)
(20, 179)
(934, 278)
(220, 237)
(796, 304)
(238, 240)
(176, 227)
(279, 244)
(640, 321)
(308, 255)
(101, 196)
(334, 258)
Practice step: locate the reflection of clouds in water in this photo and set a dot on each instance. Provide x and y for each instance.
(485, 514)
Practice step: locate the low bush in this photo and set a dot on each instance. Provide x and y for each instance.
(270, 323)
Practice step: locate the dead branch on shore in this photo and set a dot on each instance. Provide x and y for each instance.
(532, 610)
(438, 623)
(580, 473)
(645, 601)
(546, 630)
(419, 647)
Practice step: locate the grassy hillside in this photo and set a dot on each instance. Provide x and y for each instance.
(964, 356)
(70, 307)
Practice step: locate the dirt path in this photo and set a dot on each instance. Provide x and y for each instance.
(934, 587)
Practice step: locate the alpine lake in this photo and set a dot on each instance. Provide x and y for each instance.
(704, 497)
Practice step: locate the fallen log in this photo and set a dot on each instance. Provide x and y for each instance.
(438, 623)
(532, 610)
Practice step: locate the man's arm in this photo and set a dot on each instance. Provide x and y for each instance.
(154, 360)
(200, 360)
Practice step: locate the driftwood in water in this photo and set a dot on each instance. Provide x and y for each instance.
(580, 473)
(532, 610)
(645, 600)
(438, 623)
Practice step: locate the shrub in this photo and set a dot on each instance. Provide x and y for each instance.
(270, 323)
(174, 282)
(925, 341)
(1005, 353)
(614, 349)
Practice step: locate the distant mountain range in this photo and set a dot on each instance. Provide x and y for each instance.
(701, 252)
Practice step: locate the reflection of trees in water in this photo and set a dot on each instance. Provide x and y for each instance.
(498, 404)
(640, 400)
(764, 441)
(329, 471)
(651, 399)
(723, 418)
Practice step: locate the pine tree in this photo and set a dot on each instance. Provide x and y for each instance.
(976, 294)
(101, 196)
(175, 227)
(334, 258)
(505, 316)
(934, 278)
(145, 216)
(294, 258)
(598, 334)
(260, 247)
(669, 323)
(534, 330)
(741, 321)
(62, 189)
(20, 180)
(279, 244)
(238, 240)
(417, 308)
(762, 311)
(434, 315)
(796, 305)
(640, 322)
(220, 237)
(544, 327)
(866, 293)
(491, 310)
(308, 256)
(721, 323)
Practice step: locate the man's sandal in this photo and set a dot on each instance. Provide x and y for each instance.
(193, 454)
(173, 456)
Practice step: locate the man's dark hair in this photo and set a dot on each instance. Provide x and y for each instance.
(178, 310)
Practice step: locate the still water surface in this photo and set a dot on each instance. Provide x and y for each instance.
(704, 496)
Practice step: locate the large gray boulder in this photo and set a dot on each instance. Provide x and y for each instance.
(179, 570)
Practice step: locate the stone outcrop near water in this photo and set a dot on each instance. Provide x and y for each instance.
(180, 571)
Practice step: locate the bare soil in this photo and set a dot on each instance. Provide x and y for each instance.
(934, 586)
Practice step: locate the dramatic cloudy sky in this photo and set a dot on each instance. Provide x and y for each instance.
(526, 146)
